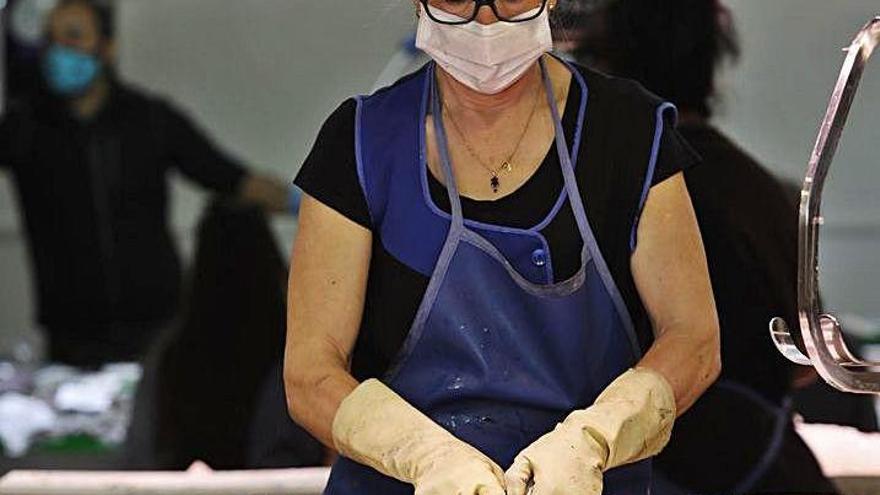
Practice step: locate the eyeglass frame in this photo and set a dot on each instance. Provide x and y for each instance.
(479, 5)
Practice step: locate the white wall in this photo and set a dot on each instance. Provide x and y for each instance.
(261, 75)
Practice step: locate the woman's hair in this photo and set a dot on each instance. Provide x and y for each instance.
(103, 12)
(673, 47)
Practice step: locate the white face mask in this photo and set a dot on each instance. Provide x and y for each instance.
(488, 58)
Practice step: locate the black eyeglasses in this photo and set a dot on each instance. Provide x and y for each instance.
(458, 12)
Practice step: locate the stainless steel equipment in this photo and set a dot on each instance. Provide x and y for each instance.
(826, 349)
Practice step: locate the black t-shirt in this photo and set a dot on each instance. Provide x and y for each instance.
(611, 184)
(93, 197)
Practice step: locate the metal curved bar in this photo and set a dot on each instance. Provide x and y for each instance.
(821, 333)
(781, 336)
(838, 347)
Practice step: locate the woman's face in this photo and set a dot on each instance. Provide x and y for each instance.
(505, 9)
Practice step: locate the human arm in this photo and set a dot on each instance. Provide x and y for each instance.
(672, 277)
(367, 423)
(269, 193)
(632, 419)
(200, 160)
(326, 292)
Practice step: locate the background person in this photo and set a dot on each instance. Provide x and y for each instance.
(89, 160)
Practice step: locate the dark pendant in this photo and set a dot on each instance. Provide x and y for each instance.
(496, 184)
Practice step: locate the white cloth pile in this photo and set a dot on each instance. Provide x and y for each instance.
(58, 401)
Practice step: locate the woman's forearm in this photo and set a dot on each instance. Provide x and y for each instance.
(314, 397)
(672, 276)
(689, 358)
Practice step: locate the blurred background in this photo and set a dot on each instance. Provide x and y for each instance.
(259, 77)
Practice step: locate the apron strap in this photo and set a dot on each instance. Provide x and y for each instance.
(443, 149)
(565, 162)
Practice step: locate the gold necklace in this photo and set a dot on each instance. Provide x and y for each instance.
(506, 165)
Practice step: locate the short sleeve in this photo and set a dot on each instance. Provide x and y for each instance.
(329, 173)
(676, 155)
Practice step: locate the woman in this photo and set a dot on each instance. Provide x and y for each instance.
(498, 284)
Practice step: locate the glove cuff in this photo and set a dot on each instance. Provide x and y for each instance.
(632, 419)
(377, 427)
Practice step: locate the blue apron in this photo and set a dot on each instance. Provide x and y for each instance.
(498, 354)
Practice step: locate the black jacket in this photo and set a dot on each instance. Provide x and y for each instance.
(94, 201)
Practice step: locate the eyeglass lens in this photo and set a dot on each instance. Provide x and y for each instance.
(506, 10)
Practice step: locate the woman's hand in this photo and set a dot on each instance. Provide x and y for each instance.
(630, 421)
(461, 471)
(561, 462)
(378, 428)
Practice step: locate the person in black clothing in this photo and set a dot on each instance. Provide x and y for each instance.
(739, 438)
(486, 246)
(90, 162)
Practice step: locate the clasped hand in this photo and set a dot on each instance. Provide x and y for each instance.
(563, 462)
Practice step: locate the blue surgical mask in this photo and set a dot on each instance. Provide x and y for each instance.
(70, 72)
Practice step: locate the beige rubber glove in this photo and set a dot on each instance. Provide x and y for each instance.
(630, 421)
(376, 427)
